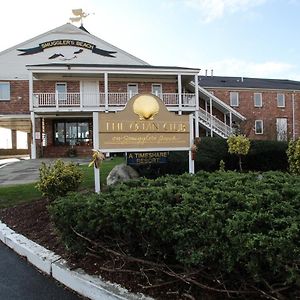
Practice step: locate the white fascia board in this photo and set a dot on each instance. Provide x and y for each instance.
(78, 70)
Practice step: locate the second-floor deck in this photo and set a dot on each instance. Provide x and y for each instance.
(52, 102)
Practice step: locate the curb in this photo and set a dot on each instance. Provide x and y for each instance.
(92, 287)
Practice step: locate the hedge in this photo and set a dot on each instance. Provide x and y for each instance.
(241, 226)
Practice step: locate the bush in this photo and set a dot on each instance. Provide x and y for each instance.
(242, 226)
(293, 153)
(266, 156)
(59, 179)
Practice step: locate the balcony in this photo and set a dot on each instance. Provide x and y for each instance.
(43, 102)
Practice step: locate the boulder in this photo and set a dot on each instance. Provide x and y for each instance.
(121, 173)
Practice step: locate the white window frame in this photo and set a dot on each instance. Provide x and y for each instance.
(260, 103)
(283, 95)
(157, 85)
(7, 84)
(132, 84)
(262, 126)
(231, 99)
(61, 96)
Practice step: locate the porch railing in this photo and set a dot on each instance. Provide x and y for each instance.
(63, 100)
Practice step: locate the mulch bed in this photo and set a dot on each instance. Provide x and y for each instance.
(32, 220)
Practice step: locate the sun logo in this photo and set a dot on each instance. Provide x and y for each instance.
(146, 107)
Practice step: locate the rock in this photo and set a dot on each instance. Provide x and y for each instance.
(121, 173)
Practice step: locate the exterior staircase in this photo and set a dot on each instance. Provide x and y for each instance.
(211, 122)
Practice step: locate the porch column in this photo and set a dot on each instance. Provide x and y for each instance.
(33, 143)
(106, 91)
(96, 147)
(30, 91)
(179, 94)
(196, 107)
(211, 117)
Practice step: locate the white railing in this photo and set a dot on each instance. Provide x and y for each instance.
(98, 99)
(213, 122)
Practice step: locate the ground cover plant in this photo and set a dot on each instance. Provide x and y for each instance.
(232, 233)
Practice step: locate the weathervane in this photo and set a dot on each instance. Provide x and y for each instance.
(79, 15)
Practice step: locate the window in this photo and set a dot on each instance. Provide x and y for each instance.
(257, 99)
(234, 99)
(280, 100)
(6, 138)
(259, 127)
(132, 89)
(61, 90)
(22, 142)
(72, 133)
(156, 89)
(4, 91)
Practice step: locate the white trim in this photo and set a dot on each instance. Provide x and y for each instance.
(6, 83)
(114, 70)
(218, 101)
(280, 106)
(261, 99)
(231, 93)
(262, 127)
(179, 87)
(156, 84)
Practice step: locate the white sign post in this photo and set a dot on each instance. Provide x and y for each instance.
(96, 146)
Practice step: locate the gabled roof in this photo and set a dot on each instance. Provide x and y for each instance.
(246, 82)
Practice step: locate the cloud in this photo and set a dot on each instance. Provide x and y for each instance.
(215, 9)
(266, 69)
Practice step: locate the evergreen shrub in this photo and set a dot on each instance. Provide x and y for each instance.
(242, 226)
(58, 179)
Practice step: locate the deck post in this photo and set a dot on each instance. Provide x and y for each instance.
(191, 161)
(33, 143)
(196, 107)
(179, 94)
(106, 91)
(96, 147)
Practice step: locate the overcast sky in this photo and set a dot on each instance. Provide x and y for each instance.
(249, 38)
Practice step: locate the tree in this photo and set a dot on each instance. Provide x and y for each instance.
(238, 145)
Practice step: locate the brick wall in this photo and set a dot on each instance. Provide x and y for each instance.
(268, 112)
(48, 86)
(19, 98)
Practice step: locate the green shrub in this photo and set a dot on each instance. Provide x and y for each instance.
(59, 179)
(293, 153)
(243, 226)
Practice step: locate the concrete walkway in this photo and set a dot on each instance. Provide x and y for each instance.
(19, 280)
(20, 171)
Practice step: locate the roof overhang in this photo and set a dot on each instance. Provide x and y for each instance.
(111, 69)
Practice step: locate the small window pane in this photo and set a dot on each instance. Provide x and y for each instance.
(61, 90)
(234, 99)
(22, 140)
(4, 91)
(280, 100)
(156, 89)
(259, 127)
(257, 99)
(71, 133)
(6, 138)
(60, 133)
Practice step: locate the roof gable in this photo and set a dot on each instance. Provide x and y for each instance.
(63, 44)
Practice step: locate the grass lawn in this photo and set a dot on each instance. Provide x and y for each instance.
(17, 194)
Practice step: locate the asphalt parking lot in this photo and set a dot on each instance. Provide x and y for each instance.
(25, 170)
